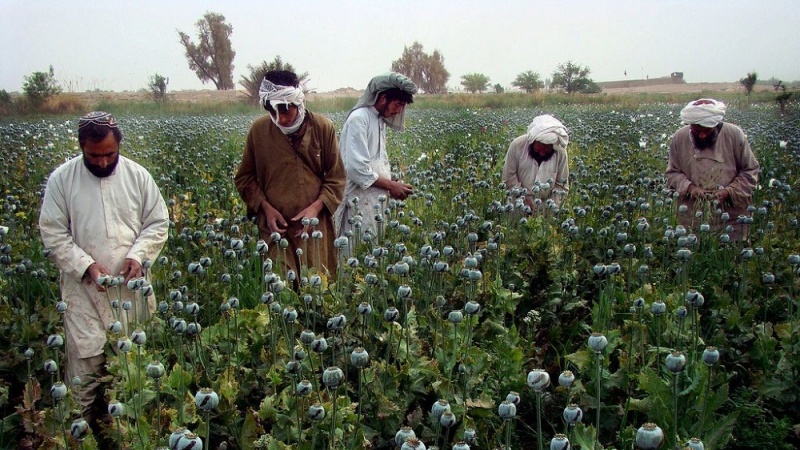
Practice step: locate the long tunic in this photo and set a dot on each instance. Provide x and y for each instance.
(291, 180)
(363, 143)
(520, 170)
(86, 219)
(729, 165)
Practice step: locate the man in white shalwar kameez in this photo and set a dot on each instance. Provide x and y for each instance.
(363, 149)
(102, 217)
(537, 163)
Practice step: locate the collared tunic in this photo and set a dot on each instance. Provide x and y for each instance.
(363, 143)
(86, 219)
(729, 165)
(291, 180)
(520, 170)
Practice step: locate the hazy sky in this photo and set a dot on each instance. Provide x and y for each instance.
(118, 45)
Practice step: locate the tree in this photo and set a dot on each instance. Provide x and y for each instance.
(212, 57)
(475, 82)
(783, 97)
(252, 82)
(529, 81)
(158, 88)
(749, 82)
(498, 88)
(39, 86)
(571, 77)
(426, 71)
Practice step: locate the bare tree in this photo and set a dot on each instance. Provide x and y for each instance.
(211, 57)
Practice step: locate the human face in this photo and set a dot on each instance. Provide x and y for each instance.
(388, 109)
(101, 157)
(540, 152)
(703, 137)
(287, 114)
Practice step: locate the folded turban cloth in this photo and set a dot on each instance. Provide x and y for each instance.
(274, 95)
(382, 83)
(705, 112)
(548, 130)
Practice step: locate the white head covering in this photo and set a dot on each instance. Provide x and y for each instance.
(548, 130)
(274, 95)
(705, 112)
(382, 83)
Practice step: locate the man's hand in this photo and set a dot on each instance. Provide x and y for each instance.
(399, 190)
(275, 220)
(722, 195)
(309, 212)
(93, 274)
(131, 269)
(696, 192)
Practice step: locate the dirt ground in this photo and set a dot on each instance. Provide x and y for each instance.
(210, 95)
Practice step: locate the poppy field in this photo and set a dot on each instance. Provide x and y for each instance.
(466, 321)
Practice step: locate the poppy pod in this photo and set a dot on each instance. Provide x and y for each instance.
(58, 390)
(572, 414)
(155, 370)
(710, 355)
(455, 316)
(139, 337)
(79, 429)
(403, 434)
(695, 444)
(649, 436)
(413, 443)
(597, 342)
(190, 441)
(675, 361)
(559, 442)
(303, 388)
(316, 412)
(566, 379)
(307, 337)
(359, 357)
(439, 408)
(538, 379)
(332, 377)
(176, 436)
(206, 399)
(55, 341)
(115, 409)
(507, 410)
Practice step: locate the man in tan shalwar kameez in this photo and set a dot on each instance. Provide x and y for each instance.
(291, 170)
(712, 167)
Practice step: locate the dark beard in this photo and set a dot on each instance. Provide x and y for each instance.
(707, 143)
(98, 171)
(537, 157)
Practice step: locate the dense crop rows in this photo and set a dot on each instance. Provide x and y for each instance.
(452, 321)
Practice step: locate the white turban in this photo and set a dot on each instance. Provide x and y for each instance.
(274, 95)
(705, 112)
(382, 83)
(548, 130)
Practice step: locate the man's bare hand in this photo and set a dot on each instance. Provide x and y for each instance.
(131, 269)
(400, 190)
(309, 212)
(94, 272)
(275, 220)
(722, 195)
(696, 192)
